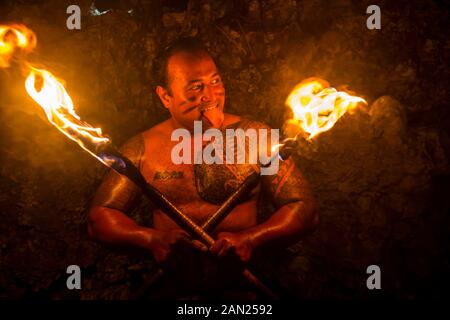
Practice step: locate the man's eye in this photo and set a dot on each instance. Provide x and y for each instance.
(215, 81)
(196, 87)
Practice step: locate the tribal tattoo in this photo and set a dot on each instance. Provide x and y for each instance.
(287, 186)
(216, 182)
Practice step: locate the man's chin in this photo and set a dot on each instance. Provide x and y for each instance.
(208, 125)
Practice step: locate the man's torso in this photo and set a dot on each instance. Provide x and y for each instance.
(178, 183)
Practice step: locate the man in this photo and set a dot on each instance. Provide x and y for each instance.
(191, 88)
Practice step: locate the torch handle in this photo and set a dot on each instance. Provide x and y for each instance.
(195, 230)
(127, 168)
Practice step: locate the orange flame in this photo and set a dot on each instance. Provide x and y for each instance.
(12, 37)
(51, 95)
(317, 107)
(49, 92)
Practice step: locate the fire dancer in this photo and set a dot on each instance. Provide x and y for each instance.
(190, 87)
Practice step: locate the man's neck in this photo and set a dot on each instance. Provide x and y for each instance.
(176, 125)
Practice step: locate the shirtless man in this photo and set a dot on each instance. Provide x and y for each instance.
(190, 87)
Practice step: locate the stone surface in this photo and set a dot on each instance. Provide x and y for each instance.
(380, 177)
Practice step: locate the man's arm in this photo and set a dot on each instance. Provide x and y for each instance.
(115, 199)
(295, 214)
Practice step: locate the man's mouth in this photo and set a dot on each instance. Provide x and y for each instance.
(207, 107)
(202, 107)
(212, 114)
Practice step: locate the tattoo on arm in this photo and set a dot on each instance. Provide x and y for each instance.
(116, 191)
(287, 186)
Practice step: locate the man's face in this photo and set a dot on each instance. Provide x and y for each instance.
(195, 91)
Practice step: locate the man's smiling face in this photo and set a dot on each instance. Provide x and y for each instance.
(196, 91)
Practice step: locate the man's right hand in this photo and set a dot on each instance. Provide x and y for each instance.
(163, 243)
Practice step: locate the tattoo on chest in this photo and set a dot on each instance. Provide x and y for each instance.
(168, 175)
(216, 182)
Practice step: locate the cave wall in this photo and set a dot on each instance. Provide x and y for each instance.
(380, 176)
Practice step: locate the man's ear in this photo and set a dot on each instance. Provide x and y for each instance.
(164, 95)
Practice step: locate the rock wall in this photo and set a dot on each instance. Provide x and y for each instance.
(380, 176)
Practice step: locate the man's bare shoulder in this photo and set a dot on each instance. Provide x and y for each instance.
(244, 122)
(134, 147)
(161, 131)
(230, 119)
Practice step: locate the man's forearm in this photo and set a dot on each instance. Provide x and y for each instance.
(288, 224)
(114, 227)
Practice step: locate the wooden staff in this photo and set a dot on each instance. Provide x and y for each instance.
(125, 167)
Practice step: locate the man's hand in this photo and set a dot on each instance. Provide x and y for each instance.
(237, 243)
(163, 243)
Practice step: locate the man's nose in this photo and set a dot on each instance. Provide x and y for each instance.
(207, 94)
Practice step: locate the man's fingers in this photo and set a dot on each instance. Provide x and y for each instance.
(182, 237)
(199, 245)
(222, 245)
(217, 246)
(224, 249)
(183, 234)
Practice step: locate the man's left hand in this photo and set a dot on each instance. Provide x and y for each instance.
(238, 243)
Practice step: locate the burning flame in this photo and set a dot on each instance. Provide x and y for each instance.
(49, 92)
(12, 37)
(51, 95)
(317, 107)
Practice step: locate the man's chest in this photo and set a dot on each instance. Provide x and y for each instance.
(176, 181)
(196, 189)
(187, 182)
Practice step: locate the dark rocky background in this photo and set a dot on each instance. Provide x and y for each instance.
(381, 177)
